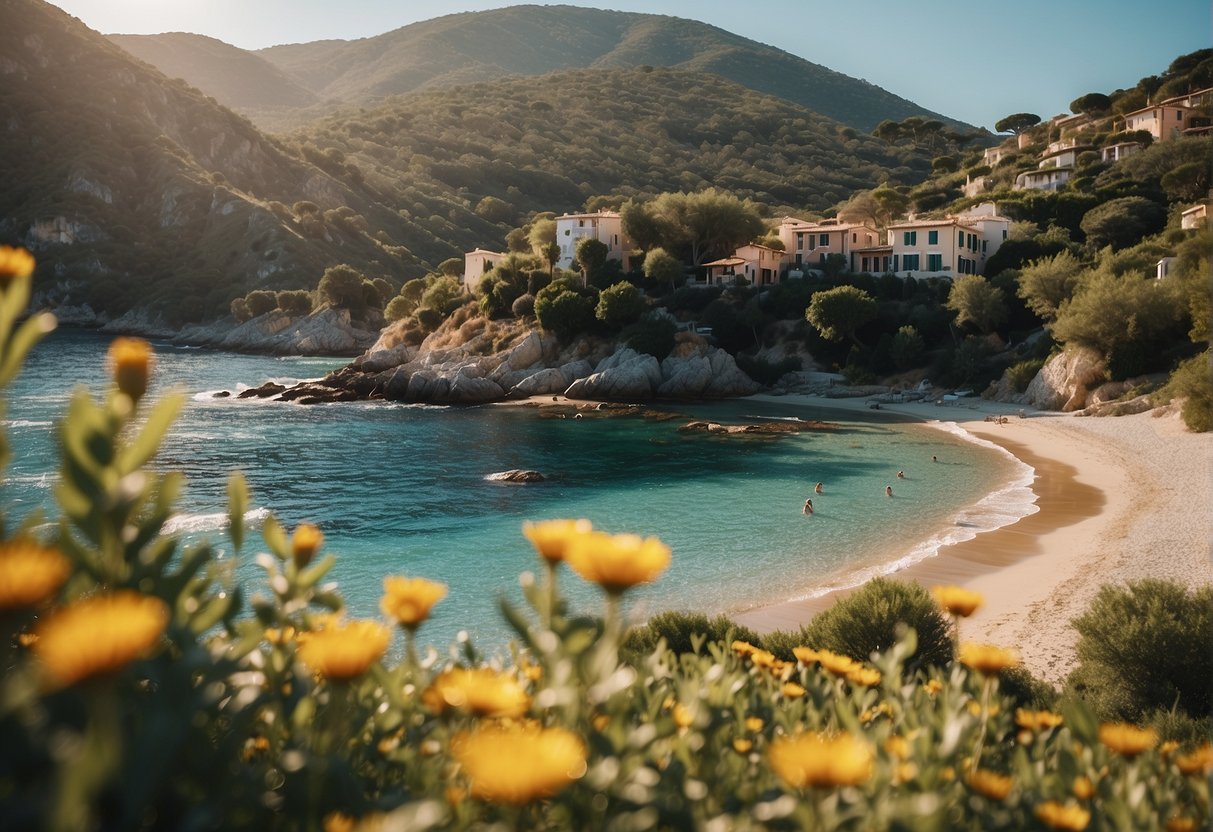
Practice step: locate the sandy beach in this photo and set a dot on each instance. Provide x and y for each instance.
(1120, 499)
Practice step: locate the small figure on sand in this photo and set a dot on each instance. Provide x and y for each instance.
(808, 507)
(901, 475)
(888, 491)
(817, 489)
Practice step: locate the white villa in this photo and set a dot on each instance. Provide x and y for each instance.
(806, 245)
(938, 248)
(759, 265)
(604, 226)
(476, 263)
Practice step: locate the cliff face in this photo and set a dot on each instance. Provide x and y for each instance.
(137, 191)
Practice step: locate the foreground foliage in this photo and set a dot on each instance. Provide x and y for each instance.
(140, 690)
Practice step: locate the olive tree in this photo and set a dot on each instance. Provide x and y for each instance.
(978, 302)
(837, 313)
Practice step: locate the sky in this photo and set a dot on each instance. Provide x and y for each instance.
(969, 60)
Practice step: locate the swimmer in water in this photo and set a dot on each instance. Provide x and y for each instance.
(901, 475)
(817, 489)
(934, 458)
(808, 507)
(888, 491)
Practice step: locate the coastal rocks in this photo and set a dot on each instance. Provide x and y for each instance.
(265, 391)
(705, 373)
(625, 374)
(1064, 381)
(329, 331)
(775, 427)
(1138, 404)
(516, 475)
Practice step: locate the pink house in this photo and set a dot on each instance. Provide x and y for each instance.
(807, 244)
(759, 265)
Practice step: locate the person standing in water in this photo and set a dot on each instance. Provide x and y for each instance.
(817, 489)
(888, 491)
(808, 507)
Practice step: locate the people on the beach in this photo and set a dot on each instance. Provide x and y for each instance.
(808, 507)
(901, 475)
(817, 489)
(888, 491)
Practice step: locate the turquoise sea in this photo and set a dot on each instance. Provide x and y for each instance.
(402, 489)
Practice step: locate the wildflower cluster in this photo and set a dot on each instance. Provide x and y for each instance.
(141, 688)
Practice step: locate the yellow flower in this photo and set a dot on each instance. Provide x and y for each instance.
(1179, 823)
(792, 690)
(986, 658)
(29, 573)
(1168, 748)
(990, 784)
(1037, 720)
(617, 562)
(15, 264)
(1127, 740)
(344, 651)
(1066, 816)
(305, 543)
(275, 636)
(933, 686)
(99, 634)
(131, 361)
(1199, 761)
(957, 601)
(409, 600)
(899, 747)
(905, 772)
(743, 648)
(805, 655)
(481, 691)
(865, 676)
(551, 537)
(813, 759)
(753, 724)
(762, 658)
(683, 717)
(338, 822)
(838, 664)
(600, 722)
(993, 709)
(1083, 788)
(742, 746)
(519, 763)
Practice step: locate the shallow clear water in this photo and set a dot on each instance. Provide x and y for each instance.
(402, 489)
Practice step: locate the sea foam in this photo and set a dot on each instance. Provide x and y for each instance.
(194, 523)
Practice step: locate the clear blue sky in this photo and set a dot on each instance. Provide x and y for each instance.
(975, 61)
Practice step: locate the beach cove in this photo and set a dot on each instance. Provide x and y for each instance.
(1120, 499)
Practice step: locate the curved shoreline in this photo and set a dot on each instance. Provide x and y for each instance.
(1106, 490)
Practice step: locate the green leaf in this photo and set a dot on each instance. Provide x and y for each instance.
(27, 335)
(310, 576)
(275, 537)
(1081, 720)
(144, 447)
(237, 507)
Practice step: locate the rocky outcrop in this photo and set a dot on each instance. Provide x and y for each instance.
(329, 331)
(516, 475)
(702, 373)
(1065, 381)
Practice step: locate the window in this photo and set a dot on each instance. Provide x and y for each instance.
(864, 262)
(799, 239)
(960, 239)
(910, 262)
(909, 238)
(932, 238)
(895, 268)
(812, 242)
(983, 246)
(854, 237)
(1004, 233)
(972, 242)
(934, 262)
(823, 240)
(1179, 114)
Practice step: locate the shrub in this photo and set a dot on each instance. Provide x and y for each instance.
(1020, 375)
(652, 335)
(240, 311)
(1191, 382)
(619, 305)
(261, 302)
(524, 306)
(1145, 647)
(867, 621)
(295, 302)
(679, 628)
(341, 286)
(397, 309)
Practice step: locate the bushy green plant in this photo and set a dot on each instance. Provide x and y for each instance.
(619, 305)
(1144, 647)
(1191, 382)
(1021, 373)
(684, 632)
(869, 621)
(261, 302)
(653, 335)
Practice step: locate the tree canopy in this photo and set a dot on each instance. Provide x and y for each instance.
(1016, 123)
(978, 302)
(703, 225)
(837, 313)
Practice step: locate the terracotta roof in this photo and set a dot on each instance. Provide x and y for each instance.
(728, 261)
(949, 221)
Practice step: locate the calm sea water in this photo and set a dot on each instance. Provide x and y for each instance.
(402, 490)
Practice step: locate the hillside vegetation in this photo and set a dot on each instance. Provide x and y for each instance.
(535, 40)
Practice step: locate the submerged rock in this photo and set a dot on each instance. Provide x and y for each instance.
(516, 475)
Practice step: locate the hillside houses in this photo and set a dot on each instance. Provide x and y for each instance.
(808, 245)
(604, 226)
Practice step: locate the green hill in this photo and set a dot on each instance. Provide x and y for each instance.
(551, 142)
(535, 40)
(137, 191)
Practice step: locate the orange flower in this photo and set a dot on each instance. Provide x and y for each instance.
(617, 562)
(864, 676)
(990, 784)
(986, 658)
(15, 264)
(1199, 761)
(837, 663)
(813, 759)
(305, 543)
(481, 691)
(683, 717)
(551, 537)
(1083, 788)
(743, 648)
(742, 746)
(409, 600)
(753, 724)
(516, 764)
(131, 361)
(30, 573)
(806, 655)
(1179, 823)
(344, 651)
(1127, 740)
(1037, 720)
(957, 601)
(1066, 816)
(933, 686)
(99, 634)
(791, 690)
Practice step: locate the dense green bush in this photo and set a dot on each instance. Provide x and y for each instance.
(565, 308)
(684, 632)
(523, 306)
(261, 302)
(653, 335)
(294, 302)
(1146, 647)
(619, 306)
(1191, 382)
(868, 621)
(1021, 374)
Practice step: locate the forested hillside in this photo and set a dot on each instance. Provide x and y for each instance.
(532, 40)
(501, 150)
